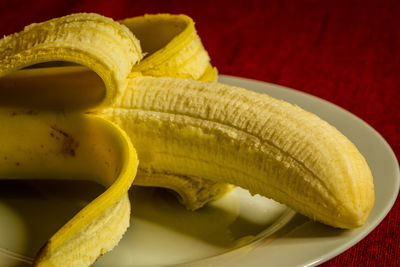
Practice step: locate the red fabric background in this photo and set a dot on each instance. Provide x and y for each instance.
(347, 52)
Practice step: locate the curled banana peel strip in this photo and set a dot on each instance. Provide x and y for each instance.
(69, 144)
(173, 47)
(48, 145)
(65, 38)
(181, 128)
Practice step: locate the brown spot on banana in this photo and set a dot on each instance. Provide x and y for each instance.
(68, 143)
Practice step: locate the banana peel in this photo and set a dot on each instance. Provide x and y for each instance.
(78, 39)
(172, 47)
(41, 141)
(181, 128)
(48, 145)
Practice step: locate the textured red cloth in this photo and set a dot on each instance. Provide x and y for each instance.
(347, 52)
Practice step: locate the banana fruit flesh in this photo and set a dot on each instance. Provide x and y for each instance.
(183, 130)
(228, 134)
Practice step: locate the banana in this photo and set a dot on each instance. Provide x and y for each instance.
(41, 141)
(206, 133)
(230, 135)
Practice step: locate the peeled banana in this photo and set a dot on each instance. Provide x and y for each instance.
(206, 133)
(228, 134)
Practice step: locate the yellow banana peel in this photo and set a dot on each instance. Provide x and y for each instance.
(173, 47)
(40, 141)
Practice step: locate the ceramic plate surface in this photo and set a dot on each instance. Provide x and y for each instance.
(236, 230)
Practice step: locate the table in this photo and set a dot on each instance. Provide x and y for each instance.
(347, 52)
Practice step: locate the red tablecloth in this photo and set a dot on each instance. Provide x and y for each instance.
(347, 52)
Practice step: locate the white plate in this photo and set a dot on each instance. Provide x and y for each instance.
(237, 230)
